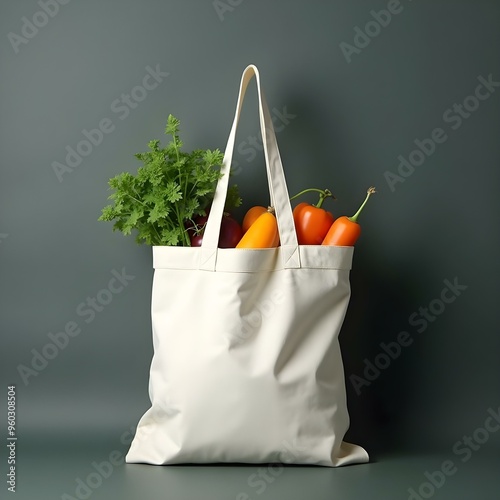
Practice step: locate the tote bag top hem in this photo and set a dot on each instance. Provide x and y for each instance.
(239, 260)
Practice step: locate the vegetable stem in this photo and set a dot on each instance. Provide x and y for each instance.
(135, 199)
(370, 191)
(323, 194)
(157, 234)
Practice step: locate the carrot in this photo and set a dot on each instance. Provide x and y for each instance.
(251, 216)
(345, 230)
(263, 233)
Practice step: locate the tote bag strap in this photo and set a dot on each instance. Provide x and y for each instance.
(276, 179)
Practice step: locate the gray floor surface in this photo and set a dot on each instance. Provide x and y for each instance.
(66, 469)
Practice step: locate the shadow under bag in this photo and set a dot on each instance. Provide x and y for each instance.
(247, 365)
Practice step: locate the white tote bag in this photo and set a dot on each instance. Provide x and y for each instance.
(247, 365)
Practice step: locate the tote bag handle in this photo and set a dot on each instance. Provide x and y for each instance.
(276, 179)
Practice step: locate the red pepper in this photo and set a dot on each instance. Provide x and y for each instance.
(311, 221)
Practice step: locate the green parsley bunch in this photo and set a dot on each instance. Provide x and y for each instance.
(167, 193)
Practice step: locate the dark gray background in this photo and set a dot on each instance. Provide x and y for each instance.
(351, 121)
